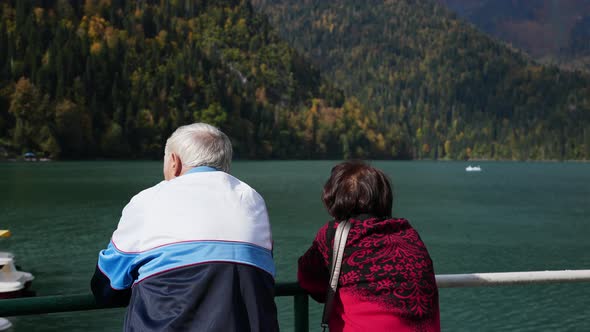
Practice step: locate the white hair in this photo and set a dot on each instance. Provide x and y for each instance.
(201, 144)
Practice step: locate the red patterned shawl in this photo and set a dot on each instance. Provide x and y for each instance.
(385, 263)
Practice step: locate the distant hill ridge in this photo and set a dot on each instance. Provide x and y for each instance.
(555, 31)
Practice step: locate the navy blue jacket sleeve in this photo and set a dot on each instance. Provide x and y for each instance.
(105, 294)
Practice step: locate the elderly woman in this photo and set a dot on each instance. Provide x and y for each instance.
(387, 278)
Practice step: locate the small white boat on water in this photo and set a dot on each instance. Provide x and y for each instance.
(473, 168)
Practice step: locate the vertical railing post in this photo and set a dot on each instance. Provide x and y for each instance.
(301, 304)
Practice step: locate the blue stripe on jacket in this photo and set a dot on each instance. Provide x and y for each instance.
(123, 269)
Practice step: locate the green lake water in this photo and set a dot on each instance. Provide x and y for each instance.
(510, 217)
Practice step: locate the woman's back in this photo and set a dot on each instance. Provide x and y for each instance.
(387, 279)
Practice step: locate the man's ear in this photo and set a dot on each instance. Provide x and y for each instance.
(176, 164)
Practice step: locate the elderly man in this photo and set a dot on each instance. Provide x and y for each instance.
(194, 252)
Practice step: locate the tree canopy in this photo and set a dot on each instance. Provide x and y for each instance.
(114, 78)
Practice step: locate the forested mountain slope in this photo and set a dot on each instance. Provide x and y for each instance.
(436, 87)
(113, 78)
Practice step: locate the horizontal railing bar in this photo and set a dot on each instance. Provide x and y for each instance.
(82, 302)
(511, 278)
(288, 289)
(49, 304)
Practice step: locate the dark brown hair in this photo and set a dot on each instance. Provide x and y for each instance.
(356, 188)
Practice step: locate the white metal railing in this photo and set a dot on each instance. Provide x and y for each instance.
(511, 278)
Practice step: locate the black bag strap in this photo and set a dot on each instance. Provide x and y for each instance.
(335, 267)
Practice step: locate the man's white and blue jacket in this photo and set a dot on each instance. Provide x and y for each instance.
(192, 254)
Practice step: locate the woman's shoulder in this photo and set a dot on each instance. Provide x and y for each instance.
(395, 230)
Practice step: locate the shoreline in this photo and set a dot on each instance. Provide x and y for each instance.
(46, 160)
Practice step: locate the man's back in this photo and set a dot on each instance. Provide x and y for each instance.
(207, 297)
(196, 251)
(202, 205)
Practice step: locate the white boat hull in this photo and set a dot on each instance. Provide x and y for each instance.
(13, 283)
